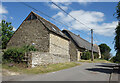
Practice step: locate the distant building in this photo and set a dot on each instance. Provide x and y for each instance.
(45, 36)
(79, 45)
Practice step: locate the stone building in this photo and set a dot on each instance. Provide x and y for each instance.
(52, 44)
(79, 45)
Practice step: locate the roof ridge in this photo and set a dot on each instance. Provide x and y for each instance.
(49, 25)
(45, 20)
(76, 35)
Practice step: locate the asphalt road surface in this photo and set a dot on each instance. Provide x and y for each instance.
(84, 72)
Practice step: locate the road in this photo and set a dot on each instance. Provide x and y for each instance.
(84, 72)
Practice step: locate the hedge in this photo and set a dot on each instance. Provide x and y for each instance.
(16, 54)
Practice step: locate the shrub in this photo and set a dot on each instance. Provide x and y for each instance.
(28, 48)
(16, 54)
(116, 58)
(113, 59)
(96, 56)
(86, 55)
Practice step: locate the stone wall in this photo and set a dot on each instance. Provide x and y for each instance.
(100, 56)
(79, 53)
(41, 58)
(51, 47)
(73, 51)
(72, 48)
(58, 45)
(31, 32)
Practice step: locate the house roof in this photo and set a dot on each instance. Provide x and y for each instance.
(51, 27)
(81, 43)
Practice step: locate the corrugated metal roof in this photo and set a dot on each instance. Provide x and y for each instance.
(82, 43)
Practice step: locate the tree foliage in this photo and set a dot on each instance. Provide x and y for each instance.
(86, 55)
(116, 58)
(118, 11)
(17, 54)
(105, 51)
(6, 32)
(117, 39)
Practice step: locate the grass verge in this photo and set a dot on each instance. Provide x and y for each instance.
(95, 61)
(41, 69)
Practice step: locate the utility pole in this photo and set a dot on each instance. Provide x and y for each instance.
(92, 56)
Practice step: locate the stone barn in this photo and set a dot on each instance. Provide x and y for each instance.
(79, 45)
(52, 44)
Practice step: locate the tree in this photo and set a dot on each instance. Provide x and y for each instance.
(117, 43)
(117, 35)
(6, 32)
(105, 51)
(118, 11)
(86, 55)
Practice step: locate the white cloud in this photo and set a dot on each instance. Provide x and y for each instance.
(61, 1)
(2, 17)
(85, 0)
(55, 7)
(68, 2)
(83, 3)
(63, 5)
(11, 18)
(107, 29)
(3, 10)
(92, 19)
(14, 29)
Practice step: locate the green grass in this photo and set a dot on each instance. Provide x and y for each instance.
(41, 69)
(95, 61)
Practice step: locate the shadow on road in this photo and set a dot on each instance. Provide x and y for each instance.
(108, 69)
(110, 65)
(102, 70)
(119, 75)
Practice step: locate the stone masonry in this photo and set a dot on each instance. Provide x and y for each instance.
(58, 45)
(52, 44)
(31, 32)
(58, 52)
(43, 58)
